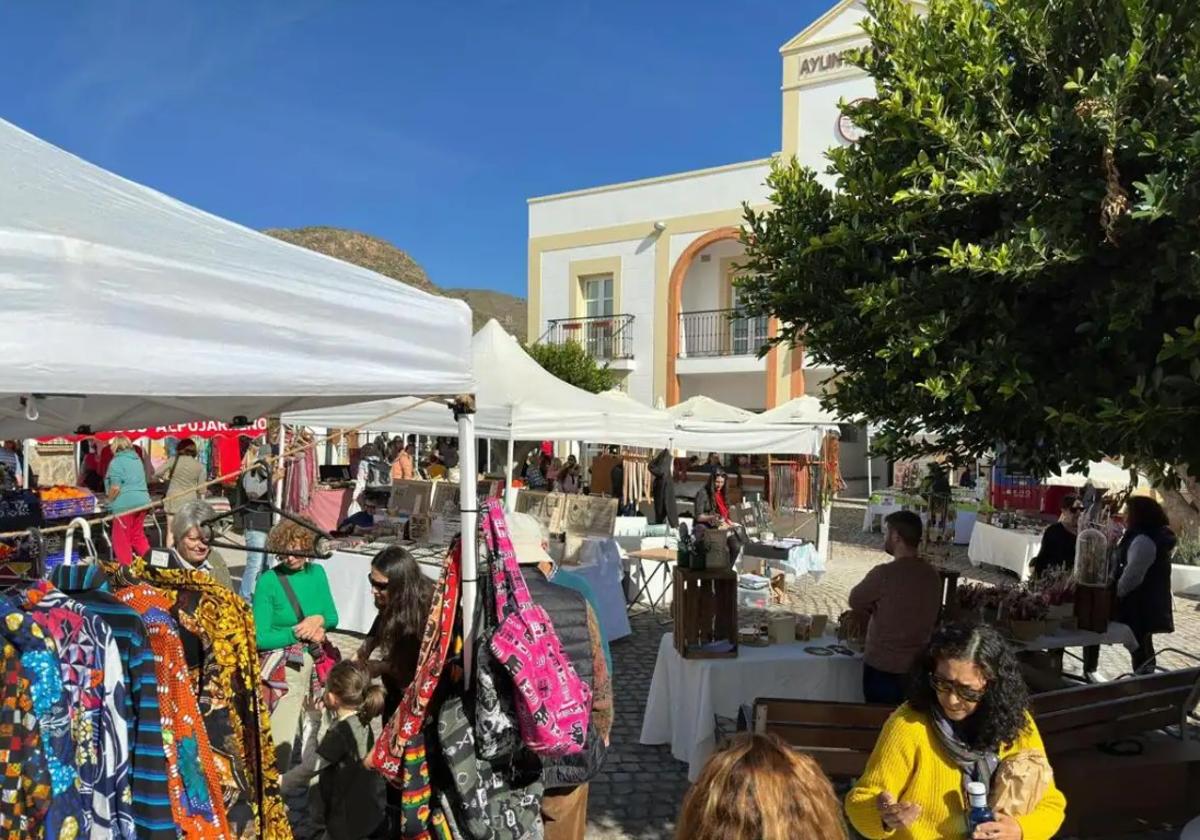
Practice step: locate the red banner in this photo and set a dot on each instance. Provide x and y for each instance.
(202, 429)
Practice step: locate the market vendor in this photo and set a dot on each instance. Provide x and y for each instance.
(903, 599)
(1058, 541)
(711, 509)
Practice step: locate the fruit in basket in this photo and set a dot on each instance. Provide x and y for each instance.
(62, 492)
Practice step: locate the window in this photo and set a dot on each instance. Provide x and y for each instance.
(598, 295)
(748, 334)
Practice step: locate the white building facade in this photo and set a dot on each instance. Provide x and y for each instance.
(640, 273)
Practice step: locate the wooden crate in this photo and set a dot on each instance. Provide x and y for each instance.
(705, 610)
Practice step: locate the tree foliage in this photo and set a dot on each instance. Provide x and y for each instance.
(1010, 252)
(571, 363)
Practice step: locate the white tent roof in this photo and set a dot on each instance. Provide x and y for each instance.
(702, 409)
(1102, 474)
(514, 393)
(803, 410)
(128, 308)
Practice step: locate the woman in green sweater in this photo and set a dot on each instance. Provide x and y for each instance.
(293, 610)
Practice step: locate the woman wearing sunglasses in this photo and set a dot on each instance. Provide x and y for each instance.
(967, 713)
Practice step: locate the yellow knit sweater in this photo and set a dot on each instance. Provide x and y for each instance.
(909, 763)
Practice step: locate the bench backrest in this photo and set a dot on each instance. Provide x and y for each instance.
(1073, 718)
(840, 736)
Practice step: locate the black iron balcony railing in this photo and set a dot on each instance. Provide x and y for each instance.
(605, 337)
(720, 332)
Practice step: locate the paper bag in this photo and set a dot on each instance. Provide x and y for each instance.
(1020, 782)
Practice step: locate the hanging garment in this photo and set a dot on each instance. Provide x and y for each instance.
(24, 774)
(193, 782)
(95, 685)
(39, 660)
(90, 586)
(301, 479)
(217, 630)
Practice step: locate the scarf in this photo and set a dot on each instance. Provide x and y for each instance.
(722, 507)
(975, 766)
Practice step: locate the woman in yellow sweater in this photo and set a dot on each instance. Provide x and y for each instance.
(967, 712)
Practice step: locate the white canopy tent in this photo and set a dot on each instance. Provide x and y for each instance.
(804, 410)
(702, 409)
(125, 308)
(1102, 474)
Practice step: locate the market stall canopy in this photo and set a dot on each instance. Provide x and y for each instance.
(803, 410)
(702, 409)
(515, 397)
(126, 308)
(1104, 475)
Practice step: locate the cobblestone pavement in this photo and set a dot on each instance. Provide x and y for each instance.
(638, 794)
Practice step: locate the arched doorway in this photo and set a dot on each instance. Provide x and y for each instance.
(679, 273)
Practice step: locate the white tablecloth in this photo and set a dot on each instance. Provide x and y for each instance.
(347, 572)
(687, 694)
(1116, 634)
(601, 565)
(1007, 548)
(881, 510)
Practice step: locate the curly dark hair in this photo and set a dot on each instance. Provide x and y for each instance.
(1001, 716)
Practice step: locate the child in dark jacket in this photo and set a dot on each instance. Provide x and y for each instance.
(348, 798)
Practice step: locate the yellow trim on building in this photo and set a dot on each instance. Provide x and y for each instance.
(623, 233)
(580, 271)
(645, 182)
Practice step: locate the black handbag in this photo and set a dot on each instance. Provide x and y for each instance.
(497, 735)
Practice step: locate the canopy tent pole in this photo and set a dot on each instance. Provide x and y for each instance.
(25, 463)
(510, 495)
(870, 464)
(279, 484)
(468, 506)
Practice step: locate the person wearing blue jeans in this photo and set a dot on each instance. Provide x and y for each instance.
(256, 562)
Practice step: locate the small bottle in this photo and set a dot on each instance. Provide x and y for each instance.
(980, 812)
(683, 552)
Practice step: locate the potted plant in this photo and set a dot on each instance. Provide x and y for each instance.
(1026, 614)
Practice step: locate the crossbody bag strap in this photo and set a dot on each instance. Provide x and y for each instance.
(291, 596)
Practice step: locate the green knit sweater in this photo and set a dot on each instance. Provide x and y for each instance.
(274, 617)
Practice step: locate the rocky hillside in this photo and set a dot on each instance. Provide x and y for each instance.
(386, 259)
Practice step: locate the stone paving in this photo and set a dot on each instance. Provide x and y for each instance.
(638, 794)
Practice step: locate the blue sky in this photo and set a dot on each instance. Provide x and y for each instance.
(427, 124)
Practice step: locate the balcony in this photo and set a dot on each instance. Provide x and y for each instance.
(714, 333)
(606, 337)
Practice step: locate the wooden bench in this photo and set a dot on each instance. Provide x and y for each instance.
(1103, 791)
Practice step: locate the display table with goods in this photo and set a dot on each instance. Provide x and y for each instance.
(1006, 548)
(687, 695)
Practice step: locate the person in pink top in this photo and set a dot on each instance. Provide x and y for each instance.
(903, 599)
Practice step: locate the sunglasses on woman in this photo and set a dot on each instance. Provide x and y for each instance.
(944, 686)
(378, 585)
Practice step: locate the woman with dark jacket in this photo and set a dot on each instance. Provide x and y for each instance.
(1143, 574)
(711, 509)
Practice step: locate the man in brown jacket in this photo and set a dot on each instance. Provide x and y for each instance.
(903, 599)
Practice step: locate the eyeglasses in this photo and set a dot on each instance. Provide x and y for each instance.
(378, 586)
(944, 686)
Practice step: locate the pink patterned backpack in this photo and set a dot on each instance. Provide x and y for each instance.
(553, 704)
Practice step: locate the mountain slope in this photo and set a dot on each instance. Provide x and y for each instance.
(385, 258)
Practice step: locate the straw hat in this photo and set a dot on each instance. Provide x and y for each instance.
(529, 539)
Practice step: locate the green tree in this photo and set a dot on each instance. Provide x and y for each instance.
(1011, 251)
(571, 363)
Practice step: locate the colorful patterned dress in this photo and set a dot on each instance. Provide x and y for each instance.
(24, 774)
(39, 660)
(193, 782)
(95, 684)
(217, 630)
